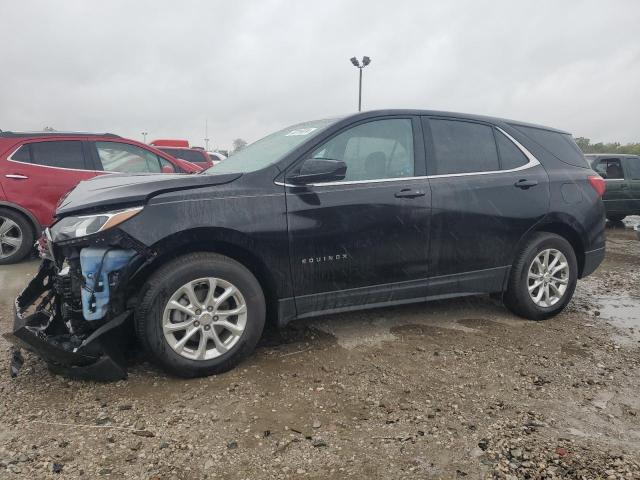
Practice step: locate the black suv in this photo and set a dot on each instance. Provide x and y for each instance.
(374, 209)
(622, 177)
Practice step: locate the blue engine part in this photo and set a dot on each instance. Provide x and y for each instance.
(96, 265)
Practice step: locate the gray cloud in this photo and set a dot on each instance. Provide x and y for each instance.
(253, 67)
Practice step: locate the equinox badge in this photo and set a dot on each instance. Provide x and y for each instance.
(327, 258)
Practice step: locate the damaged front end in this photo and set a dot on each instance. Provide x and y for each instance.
(76, 314)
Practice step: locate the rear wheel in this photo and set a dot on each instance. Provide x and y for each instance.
(543, 277)
(16, 236)
(200, 314)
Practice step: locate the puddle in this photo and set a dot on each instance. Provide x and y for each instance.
(631, 221)
(622, 312)
(373, 327)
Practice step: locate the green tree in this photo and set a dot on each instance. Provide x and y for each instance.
(238, 144)
(612, 147)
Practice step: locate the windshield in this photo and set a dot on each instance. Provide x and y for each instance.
(270, 149)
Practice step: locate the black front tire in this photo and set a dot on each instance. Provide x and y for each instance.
(517, 298)
(27, 237)
(165, 281)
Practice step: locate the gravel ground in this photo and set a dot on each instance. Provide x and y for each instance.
(449, 389)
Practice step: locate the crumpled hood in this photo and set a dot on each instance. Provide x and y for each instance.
(115, 189)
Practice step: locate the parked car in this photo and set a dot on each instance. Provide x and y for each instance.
(622, 177)
(216, 157)
(36, 169)
(181, 149)
(374, 209)
(169, 142)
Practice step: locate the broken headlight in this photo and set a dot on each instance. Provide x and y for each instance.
(72, 227)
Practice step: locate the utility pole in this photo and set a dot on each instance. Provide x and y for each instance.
(144, 137)
(206, 135)
(365, 61)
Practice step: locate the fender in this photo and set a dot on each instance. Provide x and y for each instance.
(232, 243)
(549, 221)
(25, 212)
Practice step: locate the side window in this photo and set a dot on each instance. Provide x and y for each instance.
(463, 147)
(122, 157)
(610, 168)
(166, 166)
(22, 154)
(61, 154)
(633, 166)
(560, 145)
(375, 150)
(193, 156)
(601, 167)
(510, 155)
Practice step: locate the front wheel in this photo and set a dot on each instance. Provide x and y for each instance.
(16, 237)
(200, 314)
(543, 277)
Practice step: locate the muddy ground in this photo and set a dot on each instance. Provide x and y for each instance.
(450, 389)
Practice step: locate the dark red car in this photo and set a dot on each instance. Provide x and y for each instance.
(37, 169)
(181, 149)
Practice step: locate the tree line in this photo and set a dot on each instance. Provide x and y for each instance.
(613, 147)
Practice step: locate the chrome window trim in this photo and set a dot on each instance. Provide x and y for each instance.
(10, 159)
(532, 162)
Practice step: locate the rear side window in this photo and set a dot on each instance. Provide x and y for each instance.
(61, 154)
(609, 168)
(510, 155)
(560, 145)
(463, 147)
(22, 154)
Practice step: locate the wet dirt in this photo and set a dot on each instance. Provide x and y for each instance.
(448, 389)
(624, 313)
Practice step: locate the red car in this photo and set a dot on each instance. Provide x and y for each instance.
(37, 169)
(180, 149)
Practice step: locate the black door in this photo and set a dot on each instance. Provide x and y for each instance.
(632, 167)
(486, 193)
(618, 196)
(363, 240)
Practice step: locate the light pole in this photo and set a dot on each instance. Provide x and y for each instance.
(206, 135)
(144, 136)
(365, 61)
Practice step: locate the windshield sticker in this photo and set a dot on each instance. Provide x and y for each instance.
(300, 131)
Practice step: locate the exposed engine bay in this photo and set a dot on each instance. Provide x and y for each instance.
(75, 312)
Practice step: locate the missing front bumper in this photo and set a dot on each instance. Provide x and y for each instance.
(98, 356)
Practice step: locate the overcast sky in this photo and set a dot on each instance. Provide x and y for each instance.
(251, 67)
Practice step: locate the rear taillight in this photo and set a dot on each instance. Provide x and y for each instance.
(597, 182)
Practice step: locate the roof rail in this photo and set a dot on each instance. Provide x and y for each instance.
(4, 134)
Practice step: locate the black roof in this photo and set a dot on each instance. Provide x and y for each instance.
(53, 134)
(611, 155)
(462, 116)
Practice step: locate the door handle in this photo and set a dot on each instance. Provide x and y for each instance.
(409, 193)
(16, 176)
(524, 183)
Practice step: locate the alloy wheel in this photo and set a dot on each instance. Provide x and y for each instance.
(548, 277)
(204, 318)
(10, 237)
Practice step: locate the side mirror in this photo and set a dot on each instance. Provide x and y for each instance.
(319, 170)
(168, 169)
